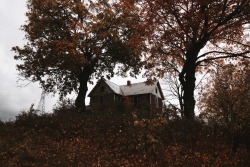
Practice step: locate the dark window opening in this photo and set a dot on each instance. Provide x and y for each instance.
(102, 89)
(135, 101)
(156, 90)
(156, 102)
(117, 97)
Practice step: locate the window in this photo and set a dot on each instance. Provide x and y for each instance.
(117, 97)
(135, 101)
(102, 89)
(156, 90)
(156, 102)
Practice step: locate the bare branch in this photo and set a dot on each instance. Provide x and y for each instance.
(229, 55)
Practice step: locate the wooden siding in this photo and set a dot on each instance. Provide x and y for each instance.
(102, 101)
(101, 89)
(112, 100)
(156, 102)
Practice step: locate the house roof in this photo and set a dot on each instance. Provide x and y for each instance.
(134, 89)
(137, 88)
(114, 87)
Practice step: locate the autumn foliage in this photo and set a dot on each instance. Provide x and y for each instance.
(225, 101)
(113, 138)
(70, 42)
(186, 36)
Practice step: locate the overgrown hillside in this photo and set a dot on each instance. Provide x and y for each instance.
(114, 138)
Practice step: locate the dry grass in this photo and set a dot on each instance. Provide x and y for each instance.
(105, 138)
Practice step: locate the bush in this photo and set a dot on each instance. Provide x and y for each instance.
(112, 138)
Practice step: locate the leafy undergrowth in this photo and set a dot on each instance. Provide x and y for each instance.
(104, 138)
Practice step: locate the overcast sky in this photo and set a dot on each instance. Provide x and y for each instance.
(14, 97)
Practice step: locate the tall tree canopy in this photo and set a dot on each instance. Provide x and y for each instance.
(69, 41)
(185, 36)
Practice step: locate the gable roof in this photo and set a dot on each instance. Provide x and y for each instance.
(133, 89)
(114, 87)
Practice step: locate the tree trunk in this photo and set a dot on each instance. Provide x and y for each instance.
(83, 79)
(181, 105)
(187, 79)
(189, 101)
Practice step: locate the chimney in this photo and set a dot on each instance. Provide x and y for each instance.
(128, 83)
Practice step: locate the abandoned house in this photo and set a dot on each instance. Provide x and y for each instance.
(141, 95)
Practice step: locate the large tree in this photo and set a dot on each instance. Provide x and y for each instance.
(187, 35)
(70, 41)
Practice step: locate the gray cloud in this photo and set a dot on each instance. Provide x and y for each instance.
(14, 99)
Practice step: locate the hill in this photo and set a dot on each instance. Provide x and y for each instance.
(113, 138)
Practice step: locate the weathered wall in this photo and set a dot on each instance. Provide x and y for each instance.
(154, 101)
(102, 101)
(108, 100)
(101, 89)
